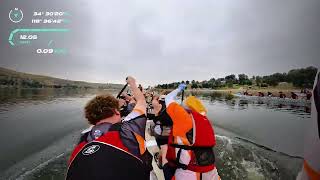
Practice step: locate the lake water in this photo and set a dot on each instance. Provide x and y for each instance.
(254, 140)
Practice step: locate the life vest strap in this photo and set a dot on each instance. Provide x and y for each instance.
(178, 164)
(203, 157)
(186, 147)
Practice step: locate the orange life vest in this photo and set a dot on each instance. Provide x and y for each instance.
(202, 140)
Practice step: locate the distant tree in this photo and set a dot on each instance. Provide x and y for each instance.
(212, 83)
(270, 80)
(219, 83)
(212, 80)
(220, 79)
(231, 79)
(258, 80)
(275, 78)
(248, 82)
(243, 79)
(205, 84)
(302, 77)
(194, 85)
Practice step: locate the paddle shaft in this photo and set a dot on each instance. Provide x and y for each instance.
(124, 87)
(182, 94)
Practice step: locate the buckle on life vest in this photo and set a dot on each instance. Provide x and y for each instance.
(182, 166)
(203, 156)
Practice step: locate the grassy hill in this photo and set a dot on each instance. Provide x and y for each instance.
(10, 78)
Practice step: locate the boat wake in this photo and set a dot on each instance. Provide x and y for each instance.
(241, 159)
(39, 167)
(236, 158)
(266, 148)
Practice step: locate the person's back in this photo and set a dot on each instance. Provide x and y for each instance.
(161, 132)
(190, 147)
(112, 147)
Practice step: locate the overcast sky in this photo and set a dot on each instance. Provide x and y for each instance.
(161, 41)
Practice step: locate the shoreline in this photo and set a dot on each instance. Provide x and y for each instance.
(253, 91)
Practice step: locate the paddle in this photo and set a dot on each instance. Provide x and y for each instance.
(124, 87)
(182, 94)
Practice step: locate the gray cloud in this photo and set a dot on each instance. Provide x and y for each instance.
(160, 41)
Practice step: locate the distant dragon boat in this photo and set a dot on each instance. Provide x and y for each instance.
(276, 100)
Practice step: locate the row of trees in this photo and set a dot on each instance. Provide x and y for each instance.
(302, 78)
(8, 81)
(17, 82)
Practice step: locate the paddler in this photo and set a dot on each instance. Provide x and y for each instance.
(294, 95)
(191, 141)
(282, 95)
(112, 149)
(127, 104)
(162, 129)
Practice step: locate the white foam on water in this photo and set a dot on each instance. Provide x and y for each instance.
(252, 170)
(40, 166)
(227, 140)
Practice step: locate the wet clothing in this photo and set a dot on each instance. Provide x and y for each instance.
(108, 150)
(182, 133)
(311, 165)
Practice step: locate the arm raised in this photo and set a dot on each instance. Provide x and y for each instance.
(141, 104)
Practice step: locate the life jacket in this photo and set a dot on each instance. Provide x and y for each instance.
(202, 140)
(106, 157)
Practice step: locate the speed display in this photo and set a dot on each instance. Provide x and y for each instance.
(45, 35)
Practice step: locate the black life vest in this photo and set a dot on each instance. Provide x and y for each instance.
(106, 157)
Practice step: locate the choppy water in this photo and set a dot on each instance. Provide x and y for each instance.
(254, 140)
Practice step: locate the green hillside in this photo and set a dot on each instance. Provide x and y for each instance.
(10, 78)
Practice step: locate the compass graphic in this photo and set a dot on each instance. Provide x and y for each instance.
(15, 15)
